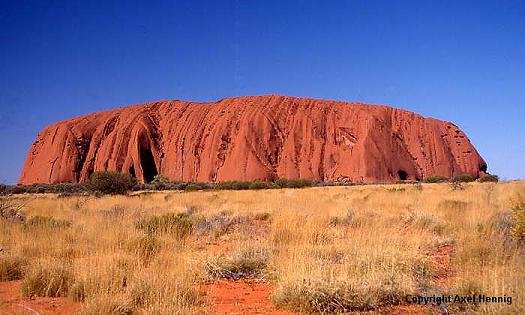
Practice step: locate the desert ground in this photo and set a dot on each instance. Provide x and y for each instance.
(276, 251)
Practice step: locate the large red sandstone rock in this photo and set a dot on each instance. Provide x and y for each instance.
(248, 138)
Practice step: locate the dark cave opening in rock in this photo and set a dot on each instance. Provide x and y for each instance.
(483, 168)
(147, 162)
(132, 171)
(402, 175)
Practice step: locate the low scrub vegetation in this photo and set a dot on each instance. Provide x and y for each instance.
(11, 267)
(463, 178)
(488, 178)
(247, 261)
(47, 278)
(177, 224)
(321, 250)
(110, 182)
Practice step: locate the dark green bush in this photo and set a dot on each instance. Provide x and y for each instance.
(489, 178)
(160, 182)
(232, 185)
(196, 186)
(111, 182)
(65, 188)
(70, 188)
(435, 179)
(262, 185)
(18, 189)
(294, 183)
(463, 178)
(3, 189)
(178, 224)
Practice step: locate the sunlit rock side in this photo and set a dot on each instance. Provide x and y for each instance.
(249, 138)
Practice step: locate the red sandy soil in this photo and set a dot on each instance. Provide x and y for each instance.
(12, 302)
(443, 264)
(241, 297)
(407, 309)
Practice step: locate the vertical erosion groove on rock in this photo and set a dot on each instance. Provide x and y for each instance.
(252, 138)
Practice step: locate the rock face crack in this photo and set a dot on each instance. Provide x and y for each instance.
(252, 138)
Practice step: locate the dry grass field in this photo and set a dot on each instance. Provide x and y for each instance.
(313, 250)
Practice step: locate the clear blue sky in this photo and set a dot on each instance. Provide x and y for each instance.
(462, 61)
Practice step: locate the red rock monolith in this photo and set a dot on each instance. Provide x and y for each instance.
(252, 138)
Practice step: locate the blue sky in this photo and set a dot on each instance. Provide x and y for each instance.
(461, 61)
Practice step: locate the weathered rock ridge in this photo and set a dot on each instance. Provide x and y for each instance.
(254, 137)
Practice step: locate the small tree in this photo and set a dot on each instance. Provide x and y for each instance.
(489, 178)
(111, 182)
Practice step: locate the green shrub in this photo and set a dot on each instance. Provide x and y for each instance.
(294, 183)
(261, 185)
(435, 179)
(47, 280)
(160, 182)
(17, 189)
(66, 188)
(488, 178)
(4, 189)
(46, 222)
(178, 224)
(11, 267)
(111, 182)
(195, 187)
(463, 178)
(232, 185)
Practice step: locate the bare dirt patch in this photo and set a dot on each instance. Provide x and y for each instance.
(443, 265)
(241, 297)
(12, 302)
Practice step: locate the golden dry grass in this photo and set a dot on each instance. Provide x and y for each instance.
(326, 249)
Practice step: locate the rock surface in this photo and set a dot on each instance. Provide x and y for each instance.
(253, 137)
